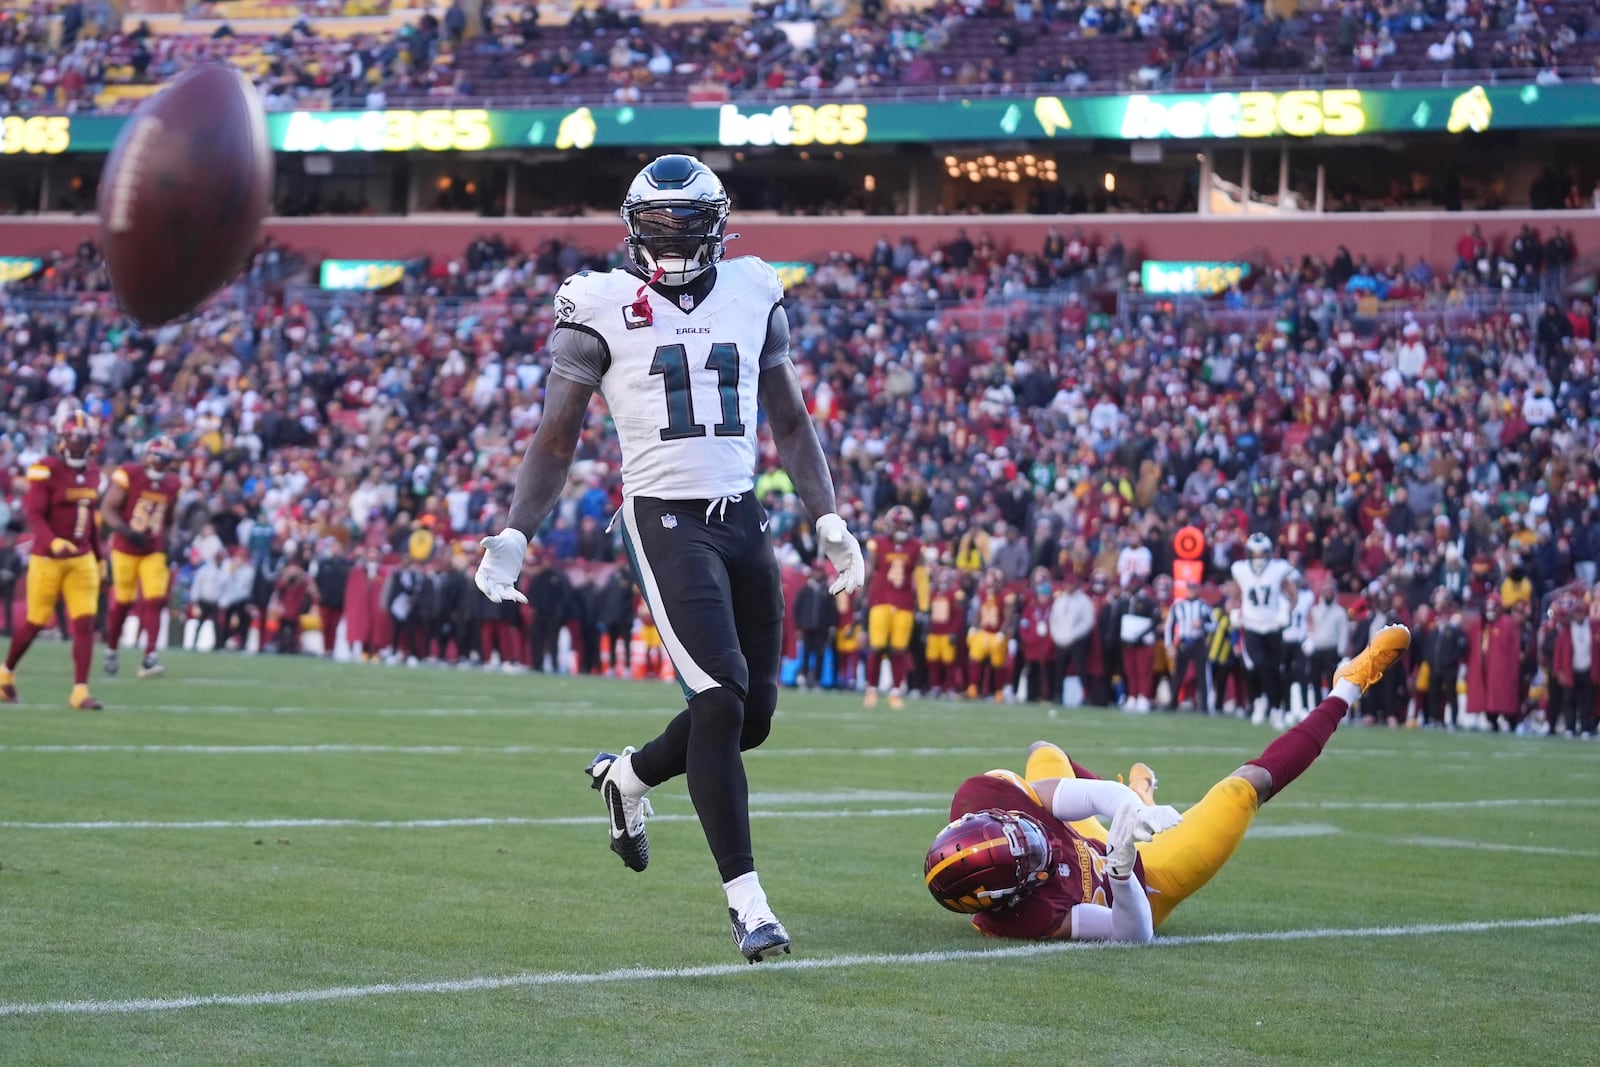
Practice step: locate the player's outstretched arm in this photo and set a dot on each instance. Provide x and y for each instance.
(1129, 917)
(544, 468)
(539, 482)
(778, 393)
(1071, 799)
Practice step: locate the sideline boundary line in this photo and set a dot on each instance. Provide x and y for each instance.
(537, 980)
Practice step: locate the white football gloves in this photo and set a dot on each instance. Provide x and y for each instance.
(501, 566)
(844, 552)
(1134, 823)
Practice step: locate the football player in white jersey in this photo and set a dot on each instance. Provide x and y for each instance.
(1297, 649)
(685, 346)
(1264, 602)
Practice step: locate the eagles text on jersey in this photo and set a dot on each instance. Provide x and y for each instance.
(679, 380)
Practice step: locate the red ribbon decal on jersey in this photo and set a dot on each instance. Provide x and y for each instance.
(640, 307)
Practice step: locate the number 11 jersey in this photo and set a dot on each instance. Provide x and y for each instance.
(678, 376)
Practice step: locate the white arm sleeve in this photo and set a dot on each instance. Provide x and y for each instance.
(1128, 918)
(1082, 798)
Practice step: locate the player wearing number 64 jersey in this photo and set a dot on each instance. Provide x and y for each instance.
(685, 347)
(64, 561)
(138, 511)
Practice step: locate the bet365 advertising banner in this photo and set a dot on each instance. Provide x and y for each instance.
(1301, 113)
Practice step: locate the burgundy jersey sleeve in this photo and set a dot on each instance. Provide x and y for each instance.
(982, 792)
(36, 506)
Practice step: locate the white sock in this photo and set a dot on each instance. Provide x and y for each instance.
(748, 901)
(627, 781)
(1346, 690)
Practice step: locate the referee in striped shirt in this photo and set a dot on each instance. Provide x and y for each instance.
(1188, 624)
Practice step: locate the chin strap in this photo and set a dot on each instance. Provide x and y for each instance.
(641, 300)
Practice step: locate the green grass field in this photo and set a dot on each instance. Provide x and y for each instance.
(293, 836)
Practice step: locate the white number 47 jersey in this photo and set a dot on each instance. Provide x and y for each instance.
(1264, 608)
(680, 377)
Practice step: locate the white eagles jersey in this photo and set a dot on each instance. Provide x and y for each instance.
(1264, 608)
(1299, 617)
(680, 382)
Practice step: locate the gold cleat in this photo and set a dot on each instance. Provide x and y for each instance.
(871, 699)
(1142, 780)
(80, 700)
(896, 701)
(8, 686)
(1379, 655)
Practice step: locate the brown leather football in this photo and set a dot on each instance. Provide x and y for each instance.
(183, 193)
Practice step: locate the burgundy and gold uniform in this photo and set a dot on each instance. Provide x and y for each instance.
(1078, 876)
(947, 618)
(64, 564)
(138, 510)
(896, 586)
(986, 641)
(1170, 869)
(139, 563)
(892, 592)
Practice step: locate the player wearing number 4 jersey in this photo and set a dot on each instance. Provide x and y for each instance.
(138, 510)
(684, 347)
(64, 560)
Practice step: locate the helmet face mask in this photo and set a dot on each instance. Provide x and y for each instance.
(160, 453)
(676, 211)
(900, 522)
(76, 435)
(987, 860)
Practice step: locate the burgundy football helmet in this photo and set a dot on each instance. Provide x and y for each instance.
(901, 520)
(77, 433)
(987, 860)
(160, 453)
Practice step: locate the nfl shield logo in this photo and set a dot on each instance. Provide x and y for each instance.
(670, 522)
(686, 301)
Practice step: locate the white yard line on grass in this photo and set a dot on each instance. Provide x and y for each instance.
(537, 980)
(443, 824)
(1435, 805)
(842, 797)
(1489, 846)
(1016, 753)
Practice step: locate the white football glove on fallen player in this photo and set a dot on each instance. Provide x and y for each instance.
(844, 552)
(501, 566)
(1134, 823)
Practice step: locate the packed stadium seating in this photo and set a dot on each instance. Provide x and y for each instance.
(1423, 420)
(604, 57)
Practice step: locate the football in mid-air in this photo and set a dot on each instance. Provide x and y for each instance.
(183, 193)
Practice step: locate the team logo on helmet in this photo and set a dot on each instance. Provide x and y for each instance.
(676, 211)
(987, 860)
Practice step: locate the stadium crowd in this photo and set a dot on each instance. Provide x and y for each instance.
(1419, 441)
(53, 58)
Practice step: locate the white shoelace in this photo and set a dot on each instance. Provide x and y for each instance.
(634, 812)
(720, 506)
(634, 809)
